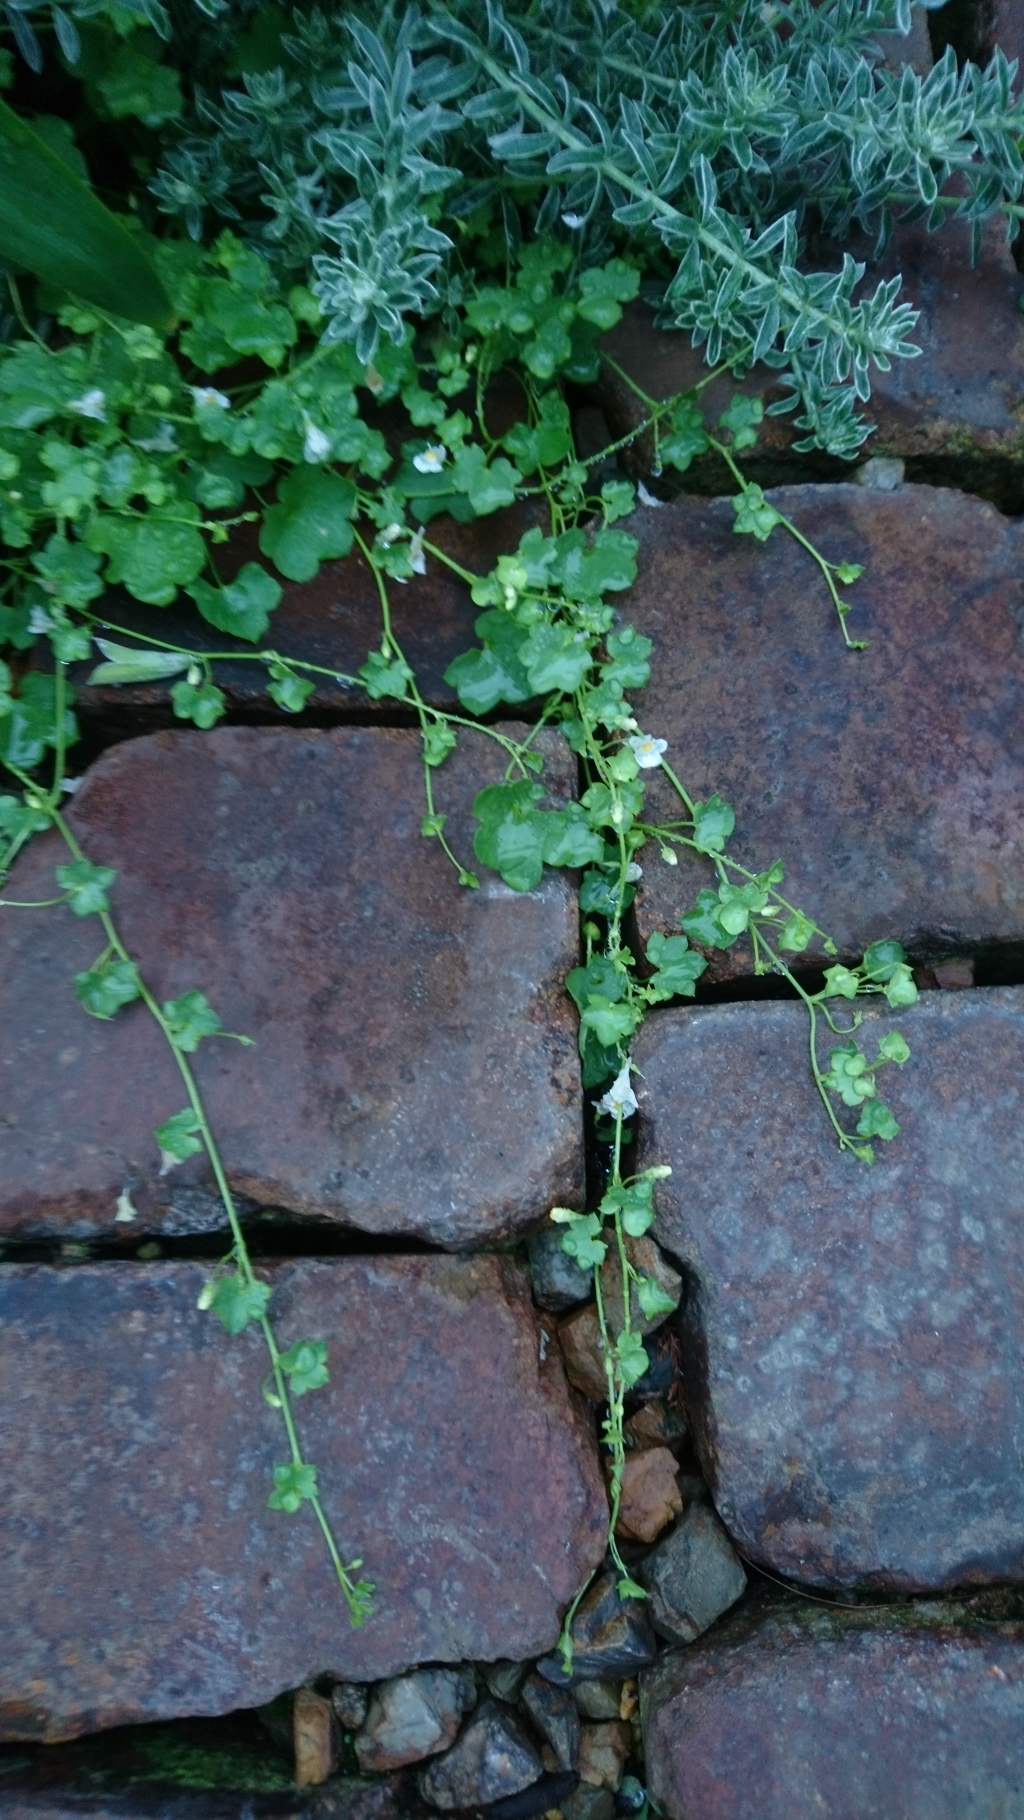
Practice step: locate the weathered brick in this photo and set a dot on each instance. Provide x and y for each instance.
(414, 1065)
(955, 413)
(799, 1712)
(1000, 26)
(890, 781)
(852, 1336)
(144, 1577)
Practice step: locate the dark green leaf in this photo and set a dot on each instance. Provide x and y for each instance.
(235, 1300)
(52, 224)
(713, 822)
(292, 1486)
(311, 522)
(87, 886)
(177, 1139)
(244, 606)
(876, 1121)
(306, 1366)
(678, 967)
(189, 1019)
(103, 990)
(201, 703)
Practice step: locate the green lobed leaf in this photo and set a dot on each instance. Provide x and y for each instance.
(631, 1360)
(894, 1048)
(582, 1241)
(555, 659)
(87, 886)
(439, 739)
(755, 515)
(306, 1366)
(177, 1139)
(311, 522)
(189, 1018)
(242, 607)
(677, 966)
(653, 1299)
(848, 1075)
(152, 556)
(293, 1485)
(202, 703)
(713, 822)
(291, 692)
(235, 1300)
(103, 990)
(31, 724)
(876, 1120)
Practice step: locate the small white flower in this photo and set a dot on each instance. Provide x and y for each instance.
(647, 750)
(126, 1211)
(416, 556)
(620, 1102)
(391, 534)
(431, 460)
(71, 784)
(207, 398)
(633, 872)
(574, 221)
(91, 404)
(317, 445)
(163, 443)
(646, 497)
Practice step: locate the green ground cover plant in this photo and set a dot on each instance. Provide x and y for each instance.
(348, 224)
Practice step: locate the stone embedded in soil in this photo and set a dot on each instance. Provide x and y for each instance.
(649, 1261)
(413, 1716)
(334, 621)
(351, 1702)
(582, 1348)
(798, 1713)
(414, 1068)
(853, 1336)
(650, 1495)
(692, 1577)
(143, 1576)
(655, 1424)
(603, 1752)
(492, 1760)
(890, 781)
(558, 1281)
(598, 1699)
(956, 409)
(316, 1736)
(555, 1717)
(504, 1679)
(611, 1637)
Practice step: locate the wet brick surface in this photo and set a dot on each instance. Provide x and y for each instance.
(890, 781)
(854, 1366)
(143, 1576)
(414, 1069)
(334, 620)
(799, 1712)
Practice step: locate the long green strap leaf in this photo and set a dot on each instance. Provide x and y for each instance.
(52, 224)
